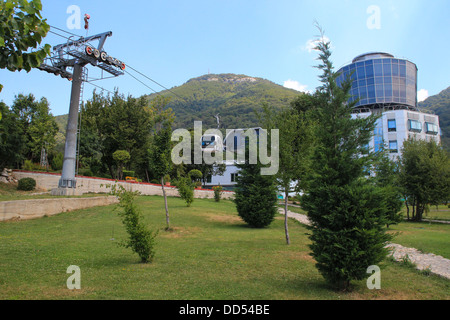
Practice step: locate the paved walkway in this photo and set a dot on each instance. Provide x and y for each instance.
(423, 261)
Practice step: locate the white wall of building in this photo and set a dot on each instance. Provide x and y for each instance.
(402, 129)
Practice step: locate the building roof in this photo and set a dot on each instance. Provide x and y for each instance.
(372, 55)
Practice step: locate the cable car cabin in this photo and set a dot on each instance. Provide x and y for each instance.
(211, 142)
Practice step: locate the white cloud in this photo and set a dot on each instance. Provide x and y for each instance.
(292, 84)
(311, 44)
(422, 94)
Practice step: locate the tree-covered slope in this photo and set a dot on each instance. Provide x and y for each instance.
(440, 105)
(234, 97)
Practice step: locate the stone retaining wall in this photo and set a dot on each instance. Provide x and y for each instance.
(49, 181)
(37, 208)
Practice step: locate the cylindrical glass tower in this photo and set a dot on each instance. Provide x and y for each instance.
(380, 80)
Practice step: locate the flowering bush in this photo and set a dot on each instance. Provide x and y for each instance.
(217, 193)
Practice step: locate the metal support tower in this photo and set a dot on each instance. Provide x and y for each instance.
(76, 55)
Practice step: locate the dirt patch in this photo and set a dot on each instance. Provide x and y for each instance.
(179, 232)
(225, 218)
(292, 255)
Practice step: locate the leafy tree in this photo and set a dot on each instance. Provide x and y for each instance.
(196, 176)
(121, 157)
(386, 177)
(42, 130)
(255, 195)
(36, 124)
(22, 28)
(424, 176)
(185, 188)
(295, 137)
(12, 139)
(347, 211)
(160, 151)
(217, 193)
(111, 123)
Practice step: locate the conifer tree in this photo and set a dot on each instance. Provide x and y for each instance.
(347, 211)
(255, 195)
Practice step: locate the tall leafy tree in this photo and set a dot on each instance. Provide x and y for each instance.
(295, 137)
(12, 139)
(121, 157)
(36, 123)
(22, 28)
(111, 123)
(386, 176)
(160, 150)
(424, 176)
(347, 211)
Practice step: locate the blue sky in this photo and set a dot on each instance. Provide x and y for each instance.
(173, 41)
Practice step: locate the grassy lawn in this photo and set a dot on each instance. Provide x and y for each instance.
(441, 212)
(424, 236)
(211, 254)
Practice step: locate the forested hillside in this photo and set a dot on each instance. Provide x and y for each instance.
(233, 97)
(440, 105)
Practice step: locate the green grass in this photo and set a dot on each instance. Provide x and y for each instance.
(441, 212)
(210, 254)
(424, 236)
(9, 192)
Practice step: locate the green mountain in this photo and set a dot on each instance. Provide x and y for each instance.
(440, 105)
(234, 97)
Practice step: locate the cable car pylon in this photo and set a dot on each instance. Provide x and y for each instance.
(75, 55)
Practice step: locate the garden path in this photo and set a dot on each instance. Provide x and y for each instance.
(423, 261)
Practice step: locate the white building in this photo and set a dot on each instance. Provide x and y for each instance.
(396, 126)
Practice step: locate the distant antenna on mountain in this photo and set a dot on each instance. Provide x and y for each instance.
(218, 120)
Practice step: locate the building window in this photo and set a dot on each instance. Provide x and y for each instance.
(392, 126)
(415, 126)
(431, 128)
(208, 179)
(393, 146)
(234, 177)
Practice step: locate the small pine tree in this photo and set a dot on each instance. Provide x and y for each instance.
(255, 195)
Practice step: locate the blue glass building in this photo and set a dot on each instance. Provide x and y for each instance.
(387, 86)
(380, 79)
